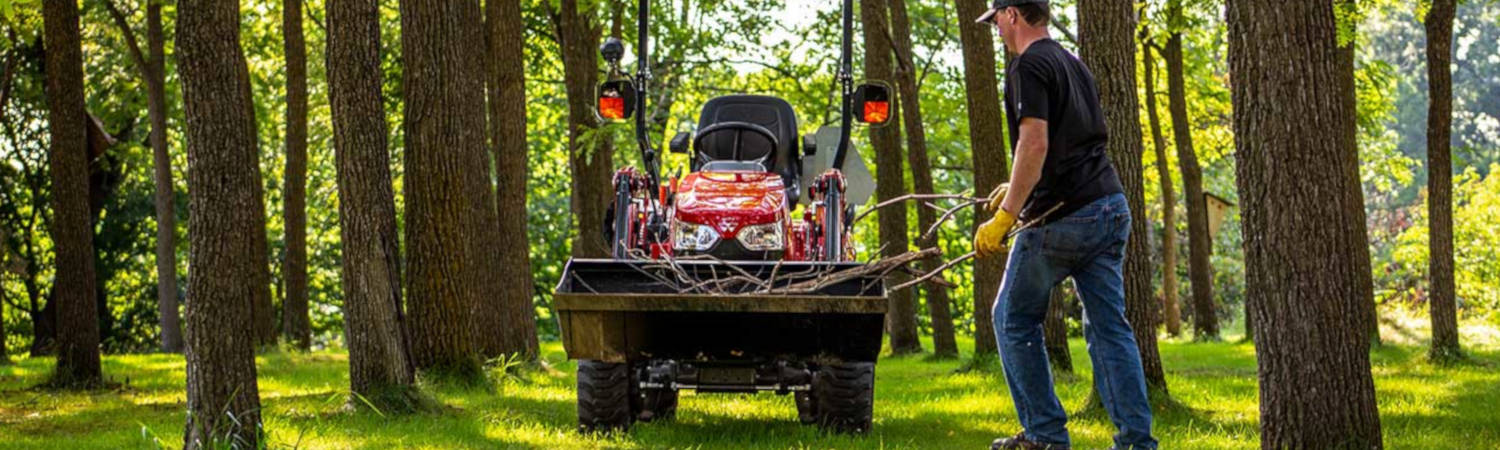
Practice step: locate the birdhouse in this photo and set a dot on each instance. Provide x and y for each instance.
(1218, 209)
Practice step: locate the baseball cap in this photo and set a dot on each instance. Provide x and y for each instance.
(1000, 5)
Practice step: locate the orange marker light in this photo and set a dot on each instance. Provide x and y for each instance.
(877, 111)
(612, 108)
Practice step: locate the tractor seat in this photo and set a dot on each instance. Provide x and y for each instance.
(772, 113)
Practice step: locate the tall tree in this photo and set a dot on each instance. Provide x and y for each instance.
(988, 148)
(226, 260)
(72, 223)
(294, 320)
(1168, 196)
(1307, 272)
(944, 343)
(1106, 29)
(262, 309)
(1439, 24)
(380, 368)
(1200, 272)
(490, 313)
(1055, 332)
(445, 141)
(8, 259)
(4, 264)
(152, 65)
(901, 320)
(507, 109)
(591, 160)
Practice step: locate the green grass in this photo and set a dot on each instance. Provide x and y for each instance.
(919, 404)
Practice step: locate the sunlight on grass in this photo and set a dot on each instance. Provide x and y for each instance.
(919, 404)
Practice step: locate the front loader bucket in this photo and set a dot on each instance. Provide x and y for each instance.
(627, 310)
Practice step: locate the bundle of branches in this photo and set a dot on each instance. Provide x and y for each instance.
(704, 274)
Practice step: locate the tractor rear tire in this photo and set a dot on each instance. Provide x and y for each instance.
(844, 395)
(604, 396)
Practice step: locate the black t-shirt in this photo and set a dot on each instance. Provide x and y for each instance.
(1051, 84)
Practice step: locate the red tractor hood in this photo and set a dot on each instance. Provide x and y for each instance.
(727, 201)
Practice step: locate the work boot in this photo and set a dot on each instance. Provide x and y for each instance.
(1020, 442)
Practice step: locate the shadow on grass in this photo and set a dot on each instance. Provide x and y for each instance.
(1463, 414)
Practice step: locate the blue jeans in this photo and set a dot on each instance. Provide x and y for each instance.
(1089, 246)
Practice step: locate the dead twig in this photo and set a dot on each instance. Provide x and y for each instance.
(882, 266)
(911, 197)
(947, 215)
(934, 272)
(584, 284)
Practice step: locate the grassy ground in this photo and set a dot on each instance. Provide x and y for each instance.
(919, 404)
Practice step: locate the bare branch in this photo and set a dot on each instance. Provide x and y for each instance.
(135, 49)
(934, 272)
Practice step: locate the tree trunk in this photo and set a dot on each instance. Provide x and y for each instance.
(990, 155)
(1439, 24)
(72, 224)
(507, 108)
(152, 66)
(263, 310)
(374, 325)
(445, 141)
(167, 302)
(490, 314)
(944, 343)
(294, 321)
(1168, 197)
(4, 297)
(901, 320)
(1307, 267)
(227, 260)
(591, 162)
(1108, 48)
(1055, 332)
(1200, 272)
(1249, 322)
(5, 262)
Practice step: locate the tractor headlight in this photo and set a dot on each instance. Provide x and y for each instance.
(692, 236)
(763, 237)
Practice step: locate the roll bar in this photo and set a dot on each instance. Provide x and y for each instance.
(642, 80)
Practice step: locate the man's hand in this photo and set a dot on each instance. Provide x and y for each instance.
(997, 197)
(990, 238)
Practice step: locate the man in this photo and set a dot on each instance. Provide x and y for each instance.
(1063, 184)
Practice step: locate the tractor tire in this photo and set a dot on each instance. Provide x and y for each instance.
(603, 396)
(844, 395)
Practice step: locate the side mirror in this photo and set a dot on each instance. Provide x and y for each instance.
(809, 144)
(679, 143)
(616, 100)
(612, 50)
(872, 103)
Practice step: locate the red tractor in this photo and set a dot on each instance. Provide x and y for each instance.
(719, 282)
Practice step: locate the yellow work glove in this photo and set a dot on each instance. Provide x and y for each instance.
(997, 196)
(990, 238)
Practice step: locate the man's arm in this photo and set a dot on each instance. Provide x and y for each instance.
(1031, 152)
